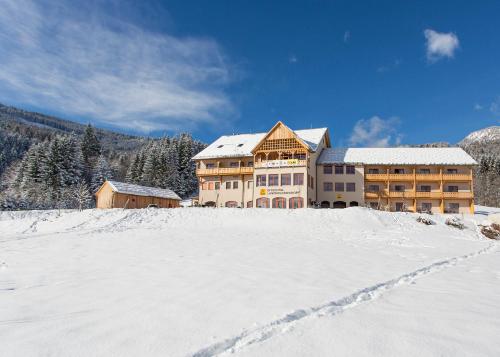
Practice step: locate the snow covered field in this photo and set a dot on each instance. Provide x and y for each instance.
(205, 282)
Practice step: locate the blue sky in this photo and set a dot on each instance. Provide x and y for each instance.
(375, 72)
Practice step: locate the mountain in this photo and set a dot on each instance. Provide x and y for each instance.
(481, 137)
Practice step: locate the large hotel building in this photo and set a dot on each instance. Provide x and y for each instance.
(287, 168)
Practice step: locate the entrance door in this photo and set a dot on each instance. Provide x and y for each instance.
(339, 204)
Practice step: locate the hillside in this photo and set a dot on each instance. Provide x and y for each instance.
(264, 282)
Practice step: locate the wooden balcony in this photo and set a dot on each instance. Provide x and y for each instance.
(376, 177)
(391, 177)
(411, 194)
(225, 171)
(428, 177)
(456, 177)
(280, 163)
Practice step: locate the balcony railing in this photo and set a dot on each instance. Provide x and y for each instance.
(418, 177)
(418, 194)
(280, 163)
(428, 177)
(224, 171)
(456, 177)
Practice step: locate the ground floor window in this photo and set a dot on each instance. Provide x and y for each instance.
(339, 204)
(353, 204)
(210, 204)
(374, 205)
(296, 202)
(279, 202)
(426, 207)
(262, 202)
(249, 204)
(231, 204)
(400, 206)
(350, 187)
(325, 204)
(453, 208)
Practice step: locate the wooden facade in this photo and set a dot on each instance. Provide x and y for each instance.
(106, 197)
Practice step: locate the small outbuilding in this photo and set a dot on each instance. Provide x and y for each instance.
(114, 194)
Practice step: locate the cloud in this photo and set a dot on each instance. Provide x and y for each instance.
(376, 132)
(293, 59)
(440, 44)
(478, 107)
(99, 67)
(347, 36)
(386, 68)
(495, 107)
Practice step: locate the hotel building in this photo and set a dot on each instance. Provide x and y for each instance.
(287, 168)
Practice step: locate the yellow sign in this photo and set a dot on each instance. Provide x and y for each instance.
(293, 161)
(263, 191)
(339, 196)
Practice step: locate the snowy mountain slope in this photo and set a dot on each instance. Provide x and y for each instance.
(254, 282)
(485, 135)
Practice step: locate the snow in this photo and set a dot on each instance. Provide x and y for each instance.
(489, 134)
(242, 145)
(397, 156)
(248, 282)
(128, 188)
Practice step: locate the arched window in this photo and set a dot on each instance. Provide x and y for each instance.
(210, 204)
(262, 202)
(296, 202)
(353, 204)
(249, 204)
(279, 202)
(339, 204)
(231, 204)
(325, 204)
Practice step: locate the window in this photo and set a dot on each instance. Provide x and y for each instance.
(399, 188)
(350, 187)
(339, 170)
(228, 185)
(231, 204)
(452, 171)
(273, 180)
(373, 188)
(374, 205)
(300, 156)
(312, 182)
(249, 184)
(399, 171)
(250, 204)
(425, 188)
(339, 204)
(211, 185)
(279, 202)
(217, 185)
(327, 169)
(296, 202)
(235, 184)
(353, 204)
(210, 165)
(262, 202)
(400, 206)
(286, 179)
(339, 187)
(298, 179)
(373, 171)
(350, 170)
(426, 207)
(204, 186)
(325, 204)
(250, 164)
(424, 171)
(453, 208)
(261, 180)
(452, 189)
(327, 186)
(234, 164)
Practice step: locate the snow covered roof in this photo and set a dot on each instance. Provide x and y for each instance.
(128, 188)
(397, 156)
(242, 145)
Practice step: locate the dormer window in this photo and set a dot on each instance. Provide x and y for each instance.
(218, 147)
(240, 145)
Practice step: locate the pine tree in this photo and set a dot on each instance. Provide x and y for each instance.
(91, 147)
(81, 195)
(102, 172)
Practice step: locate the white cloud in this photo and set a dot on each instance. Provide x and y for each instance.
(495, 106)
(347, 36)
(293, 59)
(478, 107)
(375, 132)
(111, 71)
(440, 44)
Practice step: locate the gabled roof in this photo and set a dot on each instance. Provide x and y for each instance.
(242, 145)
(131, 189)
(287, 130)
(397, 156)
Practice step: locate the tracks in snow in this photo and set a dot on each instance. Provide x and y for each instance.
(263, 333)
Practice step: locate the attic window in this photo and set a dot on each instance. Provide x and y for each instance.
(240, 145)
(218, 147)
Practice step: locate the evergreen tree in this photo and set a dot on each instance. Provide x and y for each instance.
(82, 196)
(91, 147)
(102, 172)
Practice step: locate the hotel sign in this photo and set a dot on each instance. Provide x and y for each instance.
(281, 163)
(279, 191)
